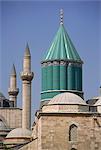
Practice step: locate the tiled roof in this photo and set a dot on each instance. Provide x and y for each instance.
(62, 47)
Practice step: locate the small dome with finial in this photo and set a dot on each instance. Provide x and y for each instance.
(27, 50)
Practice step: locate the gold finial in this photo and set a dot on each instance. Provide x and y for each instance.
(61, 16)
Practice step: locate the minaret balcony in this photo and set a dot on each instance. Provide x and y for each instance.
(13, 92)
(27, 76)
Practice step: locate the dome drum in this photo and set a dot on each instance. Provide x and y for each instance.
(61, 76)
(65, 108)
(15, 141)
(47, 95)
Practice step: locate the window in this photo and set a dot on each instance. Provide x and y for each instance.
(73, 149)
(93, 109)
(73, 133)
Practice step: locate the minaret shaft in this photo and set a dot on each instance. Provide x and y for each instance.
(13, 82)
(26, 113)
(27, 64)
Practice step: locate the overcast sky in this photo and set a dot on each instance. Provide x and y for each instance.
(37, 23)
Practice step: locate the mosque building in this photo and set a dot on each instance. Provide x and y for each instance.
(64, 121)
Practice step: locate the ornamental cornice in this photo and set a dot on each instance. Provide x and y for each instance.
(12, 91)
(56, 63)
(74, 64)
(49, 63)
(65, 60)
(61, 63)
(27, 76)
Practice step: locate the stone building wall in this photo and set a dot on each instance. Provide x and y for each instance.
(99, 109)
(12, 117)
(66, 131)
(55, 132)
(31, 146)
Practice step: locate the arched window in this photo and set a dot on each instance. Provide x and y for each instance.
(73, 133)
(73, 149)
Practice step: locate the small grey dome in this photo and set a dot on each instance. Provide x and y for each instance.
(67, 98)
(17, 136)
(19, 132)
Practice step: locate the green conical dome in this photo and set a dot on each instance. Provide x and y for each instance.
(62, 48)
(61, 67)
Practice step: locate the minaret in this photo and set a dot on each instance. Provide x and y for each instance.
(26, 77)
(13, 90)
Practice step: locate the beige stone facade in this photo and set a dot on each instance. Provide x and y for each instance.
(53, 132)
(60, 125)
(12, 117)
(31, 146)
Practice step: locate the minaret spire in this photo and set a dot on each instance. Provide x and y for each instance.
(27, 50)
(13, 71)
(61, 16)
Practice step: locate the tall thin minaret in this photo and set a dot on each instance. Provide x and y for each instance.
(26, 77)
(13, 90)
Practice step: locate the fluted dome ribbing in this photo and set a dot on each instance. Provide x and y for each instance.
(62, 48)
